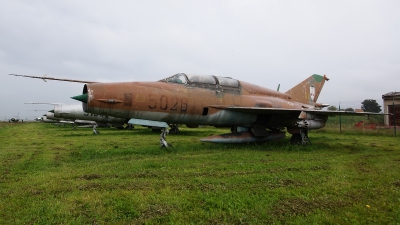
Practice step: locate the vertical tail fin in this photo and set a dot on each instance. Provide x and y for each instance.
(308, 91)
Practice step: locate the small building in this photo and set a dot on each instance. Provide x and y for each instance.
(391, 104)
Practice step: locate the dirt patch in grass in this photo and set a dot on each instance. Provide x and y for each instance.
(397, 183)
(35, 192)
(153, 213)
(89, 186)
(354, 196)
(301, 207)
(142, 186)
(322, 167)
(370, 156)
(204, 187)
(90, 176)
(289, 182)
(353, 149)
(293, 169)
(34, 155)
(145, 174)
(7, 164)
(277, 184)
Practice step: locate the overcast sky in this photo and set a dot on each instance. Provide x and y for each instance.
(355, 43)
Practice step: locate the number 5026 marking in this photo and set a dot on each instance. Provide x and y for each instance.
(163, 101)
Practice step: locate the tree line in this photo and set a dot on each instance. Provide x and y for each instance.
(368, 105)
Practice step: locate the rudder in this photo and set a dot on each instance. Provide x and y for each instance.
(308, 91)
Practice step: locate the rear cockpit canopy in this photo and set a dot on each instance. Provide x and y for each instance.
(192, 79)
(228, 82)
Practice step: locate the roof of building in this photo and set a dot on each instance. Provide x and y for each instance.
(391, 95)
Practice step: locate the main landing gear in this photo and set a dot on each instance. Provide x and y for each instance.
(300, 138)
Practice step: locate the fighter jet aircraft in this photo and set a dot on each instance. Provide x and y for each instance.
(254, 113)
(50, 118)
(74, 114)
(15, 119)
(44, 119)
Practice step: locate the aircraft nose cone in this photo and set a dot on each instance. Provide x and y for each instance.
(81, 98)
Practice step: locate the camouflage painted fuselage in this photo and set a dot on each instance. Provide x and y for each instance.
(196, 103)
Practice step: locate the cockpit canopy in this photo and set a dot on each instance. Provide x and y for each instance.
(182, 78)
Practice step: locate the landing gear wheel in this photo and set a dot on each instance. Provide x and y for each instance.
(174, 129)
(300, 138)
(295, 139)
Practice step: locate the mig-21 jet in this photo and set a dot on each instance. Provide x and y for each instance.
(74, 114)
(15, 119)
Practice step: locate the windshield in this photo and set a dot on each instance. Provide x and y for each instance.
(178, 79)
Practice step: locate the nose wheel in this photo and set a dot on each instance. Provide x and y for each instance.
(163, 141)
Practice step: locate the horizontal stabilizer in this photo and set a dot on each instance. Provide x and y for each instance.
(270, 111)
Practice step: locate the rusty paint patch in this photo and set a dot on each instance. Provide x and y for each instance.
(139, 98)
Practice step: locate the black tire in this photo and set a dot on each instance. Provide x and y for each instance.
(296, 139)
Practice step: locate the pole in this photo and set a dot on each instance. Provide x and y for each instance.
(340, 121)
(394, 116)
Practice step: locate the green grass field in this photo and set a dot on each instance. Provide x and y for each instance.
(56, 175)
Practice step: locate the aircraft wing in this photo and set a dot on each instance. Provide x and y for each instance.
(43, 103)
(259, 110)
